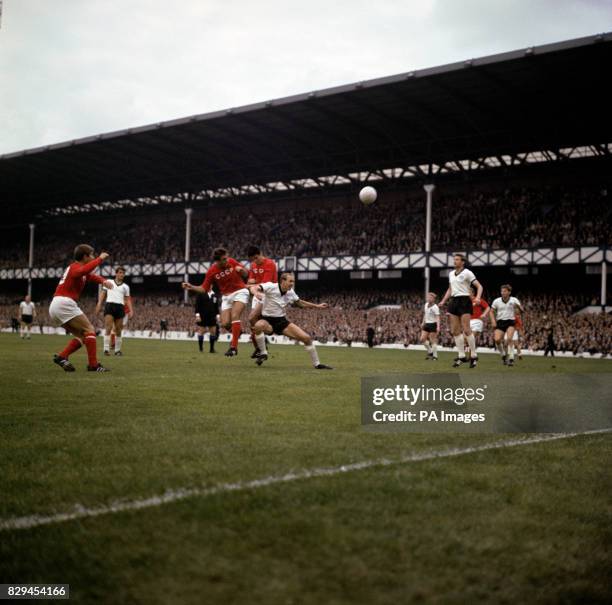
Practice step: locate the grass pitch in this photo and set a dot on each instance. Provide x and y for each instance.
(527, 524)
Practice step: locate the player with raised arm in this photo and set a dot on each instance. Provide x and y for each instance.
(27, 314)
(65, 312)
(430, 327)
(276, 297)
(503, 320)
(460, 308)
(262, 270)
(115, 301)
(230, 276)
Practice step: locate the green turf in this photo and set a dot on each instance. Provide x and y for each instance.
(524, 524)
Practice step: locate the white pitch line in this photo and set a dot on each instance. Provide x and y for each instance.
(119, 506)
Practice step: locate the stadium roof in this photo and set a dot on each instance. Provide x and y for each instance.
(547, 99)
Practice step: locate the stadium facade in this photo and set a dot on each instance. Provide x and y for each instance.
(522, 114)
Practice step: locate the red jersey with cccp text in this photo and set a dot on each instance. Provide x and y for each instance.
(228, 279)
(76, 277)
(478, 310)
(265, 272)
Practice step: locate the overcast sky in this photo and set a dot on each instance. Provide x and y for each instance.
(71, 68)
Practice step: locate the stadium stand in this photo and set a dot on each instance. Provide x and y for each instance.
(510, 218)
(351, 313)
(507, 177)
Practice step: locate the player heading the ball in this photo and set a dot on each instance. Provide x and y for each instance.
(230, 276)
(263, 269)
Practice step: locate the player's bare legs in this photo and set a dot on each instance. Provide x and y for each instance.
(433, 341)
(476, 337)
(424, 340)
(118, 329)
(295, 332)
(24, 329)
(455, 328)
(498, 337)
(254, 317)
(262, 327)
(83, 331)
(108, 330)
(510, 344)
(430, 341)
(469, 338)
(462, 333)
(519, 333)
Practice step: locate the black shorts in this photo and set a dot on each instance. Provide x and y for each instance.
(278, 323)
(504, 324)
(432, 328)
(460, 305)
(114, 309)
(207, 320)
(26, 319)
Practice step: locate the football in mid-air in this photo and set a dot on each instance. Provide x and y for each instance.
(368, 195)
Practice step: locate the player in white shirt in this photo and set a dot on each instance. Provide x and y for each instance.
(460, 282)
(504, 311)
(115, 301)
(27, 314)
(430, 327)
(276, 297)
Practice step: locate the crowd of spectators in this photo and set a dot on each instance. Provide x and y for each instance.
(395, 316)
(479, 220)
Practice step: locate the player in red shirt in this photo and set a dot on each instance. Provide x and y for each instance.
(262, 270)
(479, 314)
(231, 277)
(519, 334)
(65, 312)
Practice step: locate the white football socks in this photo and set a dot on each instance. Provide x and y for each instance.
(261, 343)
(107, 342)
(313, 354)
(118, 340)
(460, 342)
(471, 340)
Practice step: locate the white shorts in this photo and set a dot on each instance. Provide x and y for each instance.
(228, 300)
(476, 325)
(62, 309)
(256, 303)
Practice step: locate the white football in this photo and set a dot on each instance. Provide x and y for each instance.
(368, 195)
